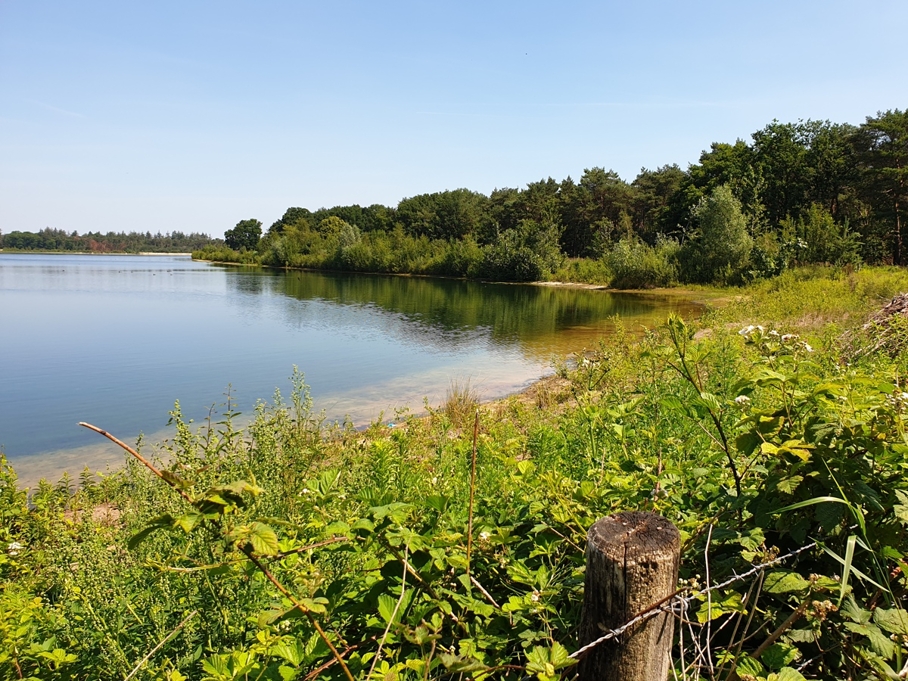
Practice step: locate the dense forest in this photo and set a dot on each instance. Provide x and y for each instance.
(113, 242)
(797, 193)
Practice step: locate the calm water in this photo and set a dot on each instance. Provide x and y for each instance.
(115, 340)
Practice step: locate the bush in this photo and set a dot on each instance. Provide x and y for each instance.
(720, 249)
(584, 270)
(635, 264)
(529, 252)
(820, 239)
(224, 254)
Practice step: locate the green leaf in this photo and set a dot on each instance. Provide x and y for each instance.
(672, 404)
(174, 480)
(709, 402)
(748, 665)
(526, 468)
(854, 612)
(778, 655)
(846, 572)
(545, 662)
(813, 502)
(437, 502)
(293, 652)
(158, 523)
(853, 569)
(287, 673)
(893, 621)
(316, 605)
(263, 539)
(710, 610)
(363, 526)
(789, 674)
(457, 664)
(901, 508)
(790, 484)
(783, 581)
(188, 522)
(748, 442)
(829, 515)
(387, 604)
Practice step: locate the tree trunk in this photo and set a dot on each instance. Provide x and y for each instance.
(631, 565)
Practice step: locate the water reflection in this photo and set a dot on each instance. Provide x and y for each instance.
(115, 340)
(543, 320)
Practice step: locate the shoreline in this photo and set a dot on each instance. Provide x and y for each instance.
(30, 252)
(109, 458)
(697, 295)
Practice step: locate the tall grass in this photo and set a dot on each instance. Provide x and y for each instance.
(461, 403)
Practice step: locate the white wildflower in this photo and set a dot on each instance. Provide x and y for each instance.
(14, 548)
(742, 400)
(534, 596)
(484, 536)
(807, 347)
(747, 330)
(774, 333)
(788, 337)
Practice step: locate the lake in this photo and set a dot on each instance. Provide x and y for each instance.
(115, 340)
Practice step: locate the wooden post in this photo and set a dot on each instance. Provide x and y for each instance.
(631, 564)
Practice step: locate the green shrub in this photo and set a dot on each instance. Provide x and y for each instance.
(583, 270)
(819, 239)
(635, 264)
(224, 254)
(720, 248)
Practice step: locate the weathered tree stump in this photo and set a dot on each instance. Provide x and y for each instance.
(631, 564)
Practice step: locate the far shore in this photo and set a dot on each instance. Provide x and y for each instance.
(21, 252)
(697, 295)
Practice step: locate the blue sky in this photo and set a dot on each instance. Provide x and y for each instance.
(190, 116)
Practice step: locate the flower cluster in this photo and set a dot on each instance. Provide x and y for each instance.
(758, 335)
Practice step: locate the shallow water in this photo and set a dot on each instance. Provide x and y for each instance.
(115, 340)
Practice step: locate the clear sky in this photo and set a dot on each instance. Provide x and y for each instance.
(162, 116)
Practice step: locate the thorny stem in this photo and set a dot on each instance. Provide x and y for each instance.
(472, 492)
(423, 583)
(403, 591)
(145, 462)
(161, 645)
(782, 628)
(299, 606)
(318, 670)
(317, 545)
(697, 383)
(425, 675)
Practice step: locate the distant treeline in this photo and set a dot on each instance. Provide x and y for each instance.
(805, 192)
(112, 242)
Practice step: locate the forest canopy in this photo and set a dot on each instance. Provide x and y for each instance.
(796, 193)
(113, 242)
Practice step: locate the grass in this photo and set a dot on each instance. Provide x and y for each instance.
(461, 403)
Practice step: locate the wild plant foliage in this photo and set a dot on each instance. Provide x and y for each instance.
(288, 549)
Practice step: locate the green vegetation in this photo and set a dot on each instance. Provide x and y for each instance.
(113, 242)
(800, 193)
(291, 549)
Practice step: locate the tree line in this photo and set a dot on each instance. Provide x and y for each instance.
(113, 242)
(805, 192)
